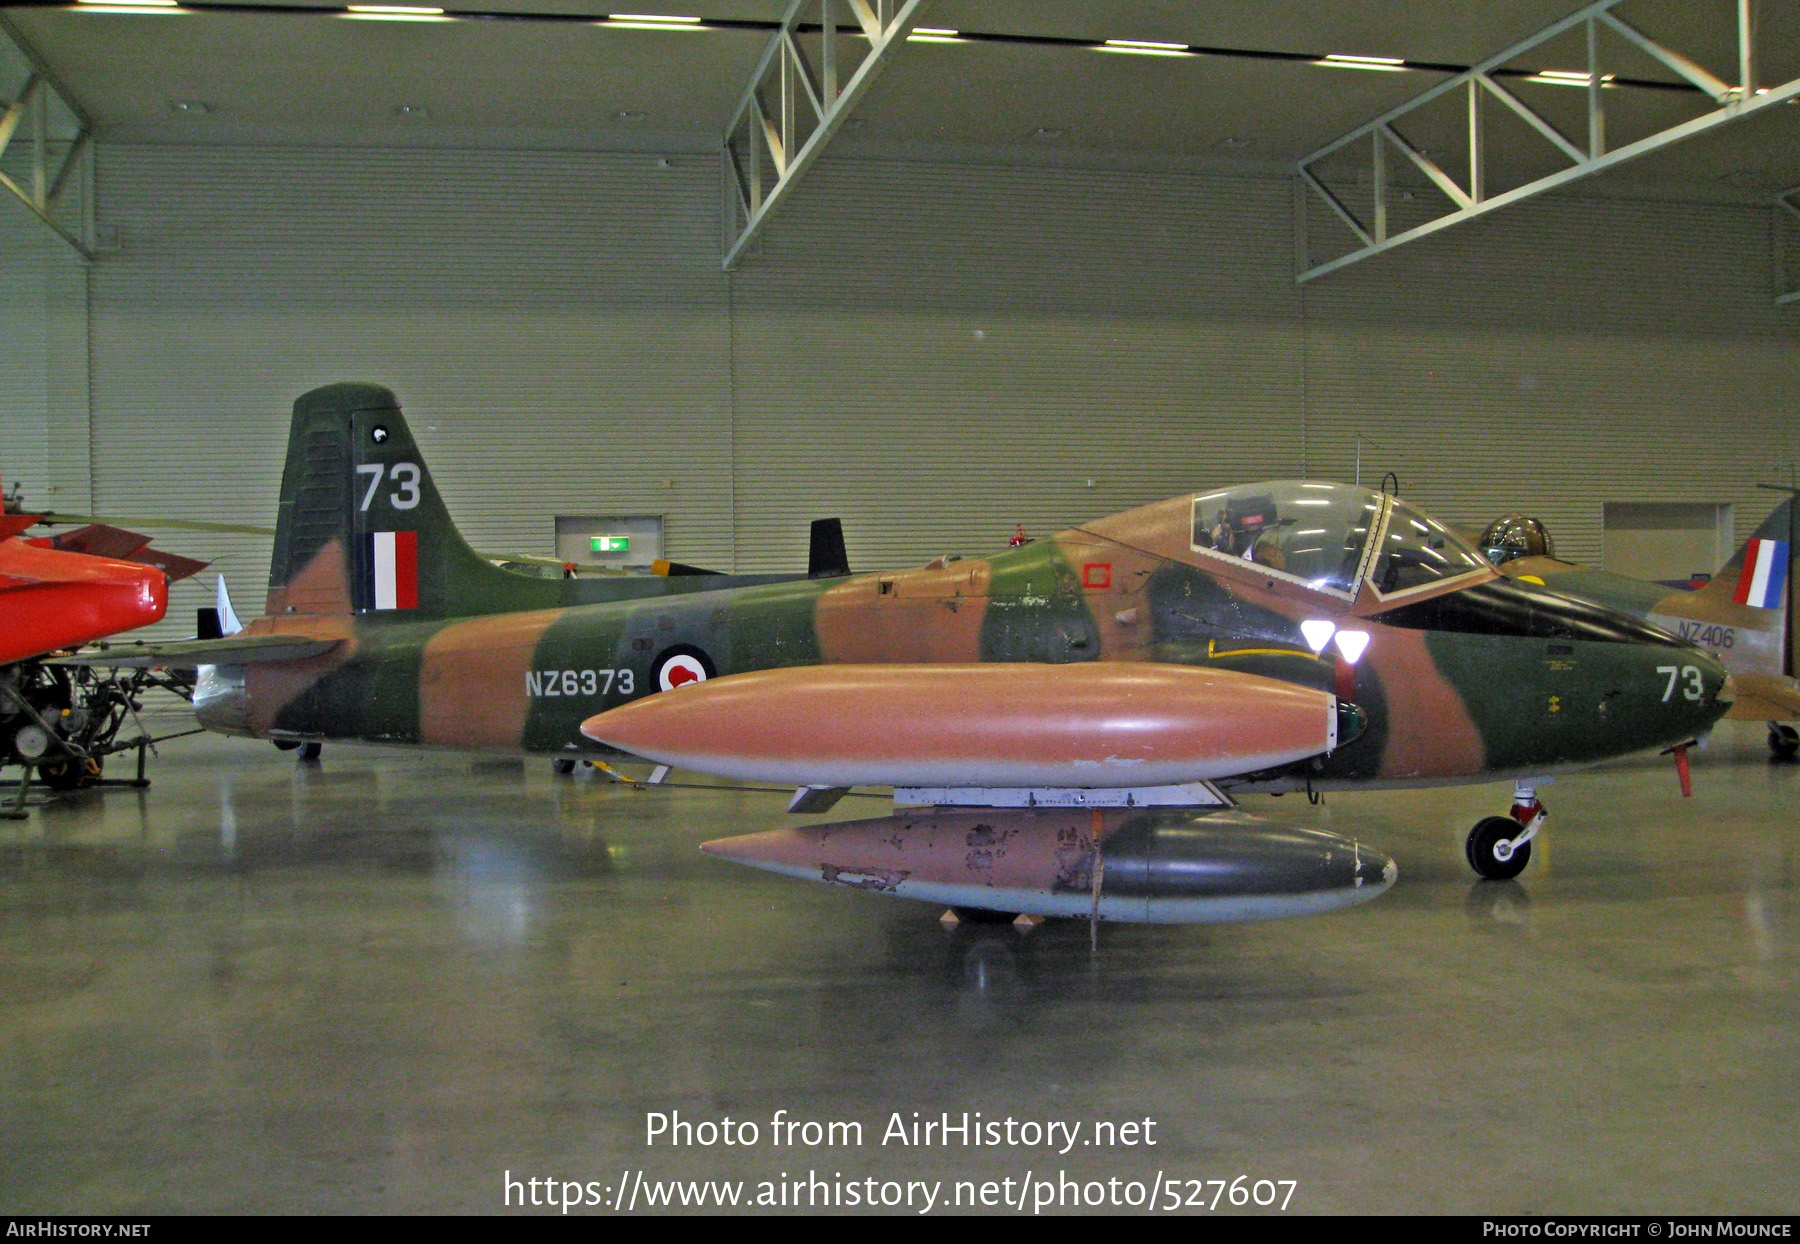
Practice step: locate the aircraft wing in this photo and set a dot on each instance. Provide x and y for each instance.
(1765, 697)
(193, 653)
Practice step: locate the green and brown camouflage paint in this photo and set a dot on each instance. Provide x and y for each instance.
(1474, 679)
(1758, 646)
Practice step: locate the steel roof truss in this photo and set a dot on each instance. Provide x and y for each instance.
(58, 165)
(1788, 201)
(1730, 103)
(772, 124)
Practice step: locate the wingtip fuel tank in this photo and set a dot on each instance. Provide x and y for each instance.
(1001, 724)
(1157, 866)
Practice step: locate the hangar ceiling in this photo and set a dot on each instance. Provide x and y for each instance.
(533, 73)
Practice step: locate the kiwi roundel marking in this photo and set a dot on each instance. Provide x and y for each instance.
(680, 664)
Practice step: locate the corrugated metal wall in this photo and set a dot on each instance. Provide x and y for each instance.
(1559, 355)
(554, 325)
(936, 352)
(953, 350)
(43, 364)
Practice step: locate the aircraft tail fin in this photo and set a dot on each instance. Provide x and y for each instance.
(1761, 574)
(362, 529)
(826, 558)
(228, 619)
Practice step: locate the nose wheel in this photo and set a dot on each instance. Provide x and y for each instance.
(1784, 740)
(1499, 847)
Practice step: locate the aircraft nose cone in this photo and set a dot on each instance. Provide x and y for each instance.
(1719, 680)
(1695, 689)
(1716, 685)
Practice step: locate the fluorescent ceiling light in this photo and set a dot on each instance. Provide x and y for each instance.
(932, 34)
(396, 13)
(1318, 632)
(652, 21)
(1352, 644)
(1381, 64)
(129, 6)
(1567, 77)
(1144, 47)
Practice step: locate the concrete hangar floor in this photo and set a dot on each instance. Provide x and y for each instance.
(392, 981)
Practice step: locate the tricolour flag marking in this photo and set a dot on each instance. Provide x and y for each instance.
(1764, 577)
(396, 568)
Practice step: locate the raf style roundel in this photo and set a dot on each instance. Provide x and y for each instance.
(681, 665)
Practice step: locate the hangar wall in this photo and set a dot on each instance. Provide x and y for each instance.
(935, 351)
(43, 365)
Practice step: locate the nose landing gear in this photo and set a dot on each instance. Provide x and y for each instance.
(1784, 740)
(1499, 847)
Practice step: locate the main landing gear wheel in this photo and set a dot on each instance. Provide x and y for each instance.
(1784, 741)
(1490, 848)
(564, 765)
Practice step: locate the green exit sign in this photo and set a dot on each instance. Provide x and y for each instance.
(612, 544)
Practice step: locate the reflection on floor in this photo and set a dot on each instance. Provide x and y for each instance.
(386, 980)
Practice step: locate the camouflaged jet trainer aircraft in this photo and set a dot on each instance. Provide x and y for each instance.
(1064, 723)
(1744, 616)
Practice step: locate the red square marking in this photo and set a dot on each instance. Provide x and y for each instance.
(1096, 574)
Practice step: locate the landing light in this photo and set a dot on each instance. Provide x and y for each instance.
(1318, 633)
(1352, 644)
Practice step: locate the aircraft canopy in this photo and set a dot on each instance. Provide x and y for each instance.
(1318, 533)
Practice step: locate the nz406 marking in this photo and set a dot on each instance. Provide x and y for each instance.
(548, 683)
(1707, 636)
